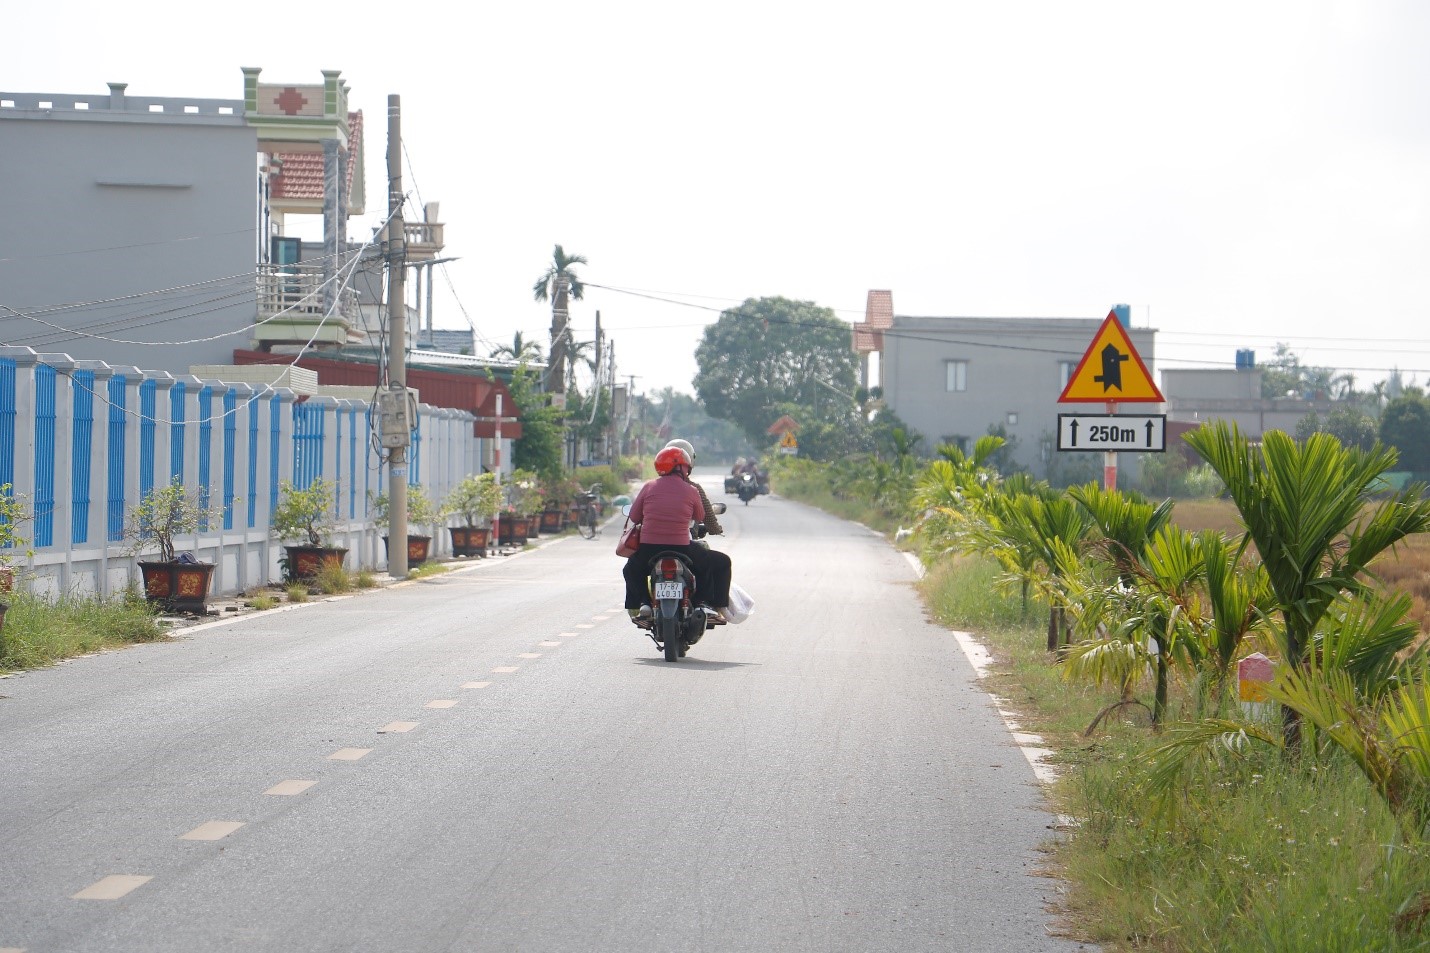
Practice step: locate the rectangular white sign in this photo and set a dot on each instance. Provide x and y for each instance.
(1132, 433)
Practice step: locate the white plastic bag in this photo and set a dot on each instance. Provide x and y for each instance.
(742, 605)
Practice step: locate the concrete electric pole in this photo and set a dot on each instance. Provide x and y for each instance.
(395, 414)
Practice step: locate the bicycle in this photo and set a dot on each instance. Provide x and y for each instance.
(589, 512)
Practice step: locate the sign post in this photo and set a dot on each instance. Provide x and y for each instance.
(1101, 378)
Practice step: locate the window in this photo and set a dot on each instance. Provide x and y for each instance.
(1065, 372)
(956, 375)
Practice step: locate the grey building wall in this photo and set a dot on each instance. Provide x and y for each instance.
(1199, 396)
(1015, 373)
(132, 219)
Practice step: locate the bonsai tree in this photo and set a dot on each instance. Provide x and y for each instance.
(166, 512)
(420, 508)
(309, 516)
(523, 493)
(476, 499)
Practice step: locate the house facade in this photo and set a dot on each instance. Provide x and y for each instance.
(953, 378)
(127, 221)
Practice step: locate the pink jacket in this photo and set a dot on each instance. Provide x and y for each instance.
(664, 507)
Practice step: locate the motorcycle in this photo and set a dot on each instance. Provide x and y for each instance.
(748, 488)
(677, 623)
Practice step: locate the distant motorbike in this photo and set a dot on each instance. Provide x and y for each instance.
(747, 488)
(678, 622)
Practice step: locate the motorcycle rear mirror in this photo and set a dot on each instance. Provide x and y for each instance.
(718, 508)
(626, 510)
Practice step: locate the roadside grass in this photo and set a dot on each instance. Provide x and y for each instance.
(364, 578)
(40, 632)
(428, 569)
(297, 592)
(332, 579)
(263, 601)
(1263, 855)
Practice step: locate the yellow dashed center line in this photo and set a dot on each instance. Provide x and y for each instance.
(286, 788)
(396, 727)
(441, 703)
(213, 830)
(112, 887)
(475, 684)
(349, 754)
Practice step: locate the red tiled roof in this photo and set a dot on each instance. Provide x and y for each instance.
(867, 339)
(302, 173)
(879, 309)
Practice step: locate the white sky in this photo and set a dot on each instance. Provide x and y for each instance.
(1240, 173)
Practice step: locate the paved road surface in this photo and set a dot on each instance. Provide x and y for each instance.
(496, 760)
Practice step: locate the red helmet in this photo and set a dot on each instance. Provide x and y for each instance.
(671, 458)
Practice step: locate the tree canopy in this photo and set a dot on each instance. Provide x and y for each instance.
(770, 354)
(1405, 425)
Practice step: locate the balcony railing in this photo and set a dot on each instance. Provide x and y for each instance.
(424, 240)
(293, 301)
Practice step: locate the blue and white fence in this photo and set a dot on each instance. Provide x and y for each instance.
(83, 441)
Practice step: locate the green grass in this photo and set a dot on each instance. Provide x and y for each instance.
(298, 592)
(1263, 856)
(263, 601)
(364, 579)
(428, 569)
(332, 578)
(39, 632)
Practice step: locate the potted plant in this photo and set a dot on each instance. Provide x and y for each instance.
(558, 496)
(180, 584)
(421, 511)
(476, 499)
(14, 513)
(523, 498)
(308, 516)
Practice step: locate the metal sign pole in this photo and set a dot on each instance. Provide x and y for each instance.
(1109, 458)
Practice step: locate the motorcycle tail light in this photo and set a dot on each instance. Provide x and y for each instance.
(669, 569)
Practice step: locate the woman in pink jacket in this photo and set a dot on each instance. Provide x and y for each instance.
(665, 508)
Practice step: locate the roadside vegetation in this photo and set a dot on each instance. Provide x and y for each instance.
(1118, 623)
(39, 632)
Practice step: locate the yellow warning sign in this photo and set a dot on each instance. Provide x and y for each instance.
(787, 440)
(1111, 370)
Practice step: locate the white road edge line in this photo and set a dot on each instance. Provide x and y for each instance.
(981, 659)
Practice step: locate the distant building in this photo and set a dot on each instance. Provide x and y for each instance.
(954, 378)
(1195, 396)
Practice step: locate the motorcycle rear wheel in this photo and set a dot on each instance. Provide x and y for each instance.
(670, 639)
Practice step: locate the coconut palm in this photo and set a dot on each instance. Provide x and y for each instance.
(559, 282)
(520, 349)
(1308, 510)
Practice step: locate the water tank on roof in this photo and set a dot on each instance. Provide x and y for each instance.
(1124, 314)
(1245, 358)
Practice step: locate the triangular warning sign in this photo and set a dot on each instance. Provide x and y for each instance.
(1111, 370)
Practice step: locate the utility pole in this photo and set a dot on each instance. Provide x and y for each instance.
(396, 425)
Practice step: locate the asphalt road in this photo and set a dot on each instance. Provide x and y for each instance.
(497, 760)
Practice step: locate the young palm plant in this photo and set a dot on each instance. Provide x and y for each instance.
(1308, 510)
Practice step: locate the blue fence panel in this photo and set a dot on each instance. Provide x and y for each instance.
(118, 454)
(148, 421)
(7, 422)
(352, 464)
(81, 445)
(206, 434)
(307, 444)
(275, 432)
(44, 504)
(230, 443)
(370, 462)
(176, 432)
(414, 466)
(338, 462)
(252, 462)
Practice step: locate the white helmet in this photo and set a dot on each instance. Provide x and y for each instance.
(683, 445)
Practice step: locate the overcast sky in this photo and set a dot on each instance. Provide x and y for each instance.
(1240, 173)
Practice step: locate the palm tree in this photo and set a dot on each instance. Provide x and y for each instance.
(520, 350)
(1308, 510)
(560, 267)
(558, 282)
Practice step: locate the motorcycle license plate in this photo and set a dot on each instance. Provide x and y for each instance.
(669, 590)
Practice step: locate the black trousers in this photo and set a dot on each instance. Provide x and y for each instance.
(712, 574)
